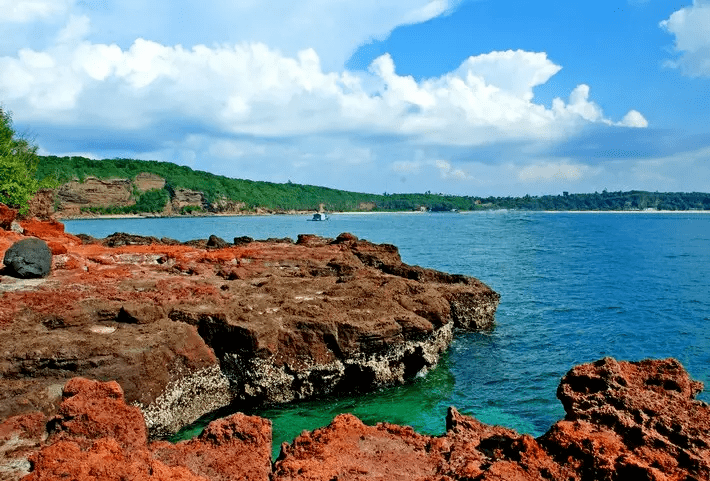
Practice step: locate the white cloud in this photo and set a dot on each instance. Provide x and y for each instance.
(252, 89)
(691, 25)
(21, 11)
(633, 119)
(447, 171)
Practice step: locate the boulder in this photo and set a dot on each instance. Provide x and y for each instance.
(217, 242)
(29, 258)
(239, 241)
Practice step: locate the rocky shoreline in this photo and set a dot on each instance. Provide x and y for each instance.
(187, 328)
(129, 338)
(624, 421)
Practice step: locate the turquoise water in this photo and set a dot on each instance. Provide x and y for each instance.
(574, 288)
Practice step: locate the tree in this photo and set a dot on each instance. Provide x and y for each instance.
(18, 166)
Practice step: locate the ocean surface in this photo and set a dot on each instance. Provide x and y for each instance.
(574, 287)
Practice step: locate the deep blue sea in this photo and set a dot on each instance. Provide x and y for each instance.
(574, 287)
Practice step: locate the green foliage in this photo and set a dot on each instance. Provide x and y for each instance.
(18, 167)
(290, 196)
(151, 201)
(190, 209)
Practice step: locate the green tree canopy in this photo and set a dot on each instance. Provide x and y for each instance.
(18, 165)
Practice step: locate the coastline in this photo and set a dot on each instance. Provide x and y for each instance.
(307, 213)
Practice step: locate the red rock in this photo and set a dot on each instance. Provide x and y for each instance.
(93, 409)
(636, 418)
(236, 447)
(105, 459)
(590, 444)
(96, 435)
(20, 436)
(7, 215)
(625, 421)
(185, 329)
(348, 449)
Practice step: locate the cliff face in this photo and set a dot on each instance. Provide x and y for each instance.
(95, 192)
(188, 328)
(70, 198)
(624, 421)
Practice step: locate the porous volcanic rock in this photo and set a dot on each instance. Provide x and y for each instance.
(97, 436)
(625, 421)
(185, 329)
(28, 258)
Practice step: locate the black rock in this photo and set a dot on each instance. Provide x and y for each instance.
(216, 242)
(28, 258)
(240, 241)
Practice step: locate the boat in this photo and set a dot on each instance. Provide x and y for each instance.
(319, 216)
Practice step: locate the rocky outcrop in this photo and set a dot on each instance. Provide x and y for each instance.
(28, 259)
(182, 198)
(188, 328)
(624, 421)
(41, 205)
(146, 181)
(94, 192)
(97, 436)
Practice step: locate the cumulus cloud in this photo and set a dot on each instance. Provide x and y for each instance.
(634, 119)
(691, 25)
(252, 89)
(229, 107)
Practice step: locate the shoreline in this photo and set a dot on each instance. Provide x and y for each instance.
(307, 213)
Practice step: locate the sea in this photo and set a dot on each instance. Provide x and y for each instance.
(575, 287)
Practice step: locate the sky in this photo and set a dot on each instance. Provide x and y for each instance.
(464, 97)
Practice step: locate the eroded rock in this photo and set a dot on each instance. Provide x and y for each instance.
(97, 436)
(186, 329)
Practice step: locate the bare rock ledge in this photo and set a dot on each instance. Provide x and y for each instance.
(187, 328)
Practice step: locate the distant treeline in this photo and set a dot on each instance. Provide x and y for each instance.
(290, 196)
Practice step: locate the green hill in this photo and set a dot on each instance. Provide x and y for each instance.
(285, 197)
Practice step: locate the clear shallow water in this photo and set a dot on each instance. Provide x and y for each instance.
(574, 288)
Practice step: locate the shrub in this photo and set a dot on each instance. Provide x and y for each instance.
(18, 165)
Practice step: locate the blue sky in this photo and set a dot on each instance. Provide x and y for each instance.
(470, 97)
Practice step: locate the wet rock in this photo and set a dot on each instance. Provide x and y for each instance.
(28, 259)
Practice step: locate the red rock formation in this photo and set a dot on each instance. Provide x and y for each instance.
(188, 328)
(97, 436)
(625, 421)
